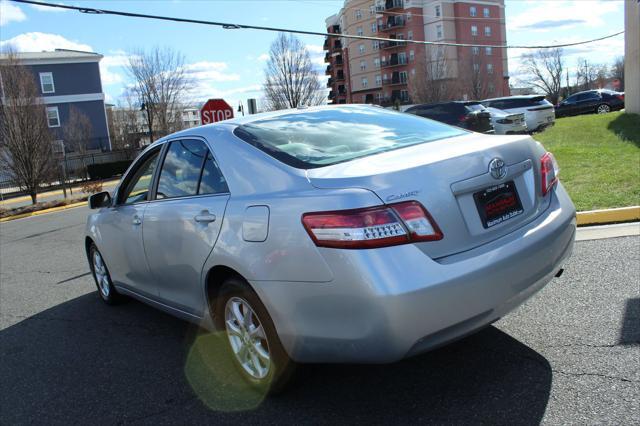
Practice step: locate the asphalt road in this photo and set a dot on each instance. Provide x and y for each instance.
(571, 355)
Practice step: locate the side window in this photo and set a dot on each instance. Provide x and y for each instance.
(181, 169)
(212, 181)
(137, 188)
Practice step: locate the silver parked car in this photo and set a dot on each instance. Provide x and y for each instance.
(505, 123)
(348, 234)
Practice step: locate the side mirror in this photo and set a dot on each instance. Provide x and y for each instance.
(99, 200)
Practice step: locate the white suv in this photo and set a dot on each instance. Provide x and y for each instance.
(538, 112)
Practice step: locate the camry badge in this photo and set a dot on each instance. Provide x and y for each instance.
(497, 168)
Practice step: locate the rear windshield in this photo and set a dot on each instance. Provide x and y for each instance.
(475, 107)
(516, 102)
(318, 138)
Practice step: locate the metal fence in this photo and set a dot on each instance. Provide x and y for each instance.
(72, 168)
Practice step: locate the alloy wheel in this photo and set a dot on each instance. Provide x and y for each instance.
(102, 277)
(247, 338)
(603, 109)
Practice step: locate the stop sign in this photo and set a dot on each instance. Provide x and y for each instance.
(215, 110)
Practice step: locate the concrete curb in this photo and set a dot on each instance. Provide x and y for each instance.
(45, 211)
(601, 217)
(592, 217)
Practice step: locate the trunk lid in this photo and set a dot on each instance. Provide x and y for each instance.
(444, 176)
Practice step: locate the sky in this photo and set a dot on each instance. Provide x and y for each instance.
(229, 63)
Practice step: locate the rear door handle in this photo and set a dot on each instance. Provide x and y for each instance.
(136, 220)
(205, 217)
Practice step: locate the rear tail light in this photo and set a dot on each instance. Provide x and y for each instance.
(621, 97)
(549, 171)
(383, 226)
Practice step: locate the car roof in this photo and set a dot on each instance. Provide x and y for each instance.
(514, 97)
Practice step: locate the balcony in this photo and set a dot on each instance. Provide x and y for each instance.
(330, 82)
(337, 45)
(335, 29)
(394, 61)
(340, 75)
(342, 91)
(393, 22)
(390, 5)
(332, 94)
(396, 79)
(325, 45)
(392, 44)
(339, 60)
(329, 70)
(327, 57)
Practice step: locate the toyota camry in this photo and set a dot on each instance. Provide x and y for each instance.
(347, 234)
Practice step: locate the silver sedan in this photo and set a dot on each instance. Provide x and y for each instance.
(348, 234)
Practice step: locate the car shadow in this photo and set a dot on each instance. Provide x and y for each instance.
(630, 331)
(83, 361)
(627, 126)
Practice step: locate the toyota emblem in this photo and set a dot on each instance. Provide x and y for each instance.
(497, 168)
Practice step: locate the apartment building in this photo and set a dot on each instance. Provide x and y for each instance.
(389, 72)
(68, 80)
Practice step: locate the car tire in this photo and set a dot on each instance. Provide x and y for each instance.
(603, 109)
(101, 275)
(258, 355)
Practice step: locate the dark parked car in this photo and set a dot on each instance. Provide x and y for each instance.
(469, 115)
(590, 101)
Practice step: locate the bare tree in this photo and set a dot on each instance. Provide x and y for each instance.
(77, 134)
(474, 78)
(617, 71)
(125, 126)
(160, 85)
(589, 75)
(544, 69)
(26, 143)
(431, 82)
(290, 79)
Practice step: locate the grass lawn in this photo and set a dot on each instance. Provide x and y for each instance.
(599, 157)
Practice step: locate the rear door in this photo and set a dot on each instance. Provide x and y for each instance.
(182, 222)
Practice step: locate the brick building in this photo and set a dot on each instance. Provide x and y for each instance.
(389, 72)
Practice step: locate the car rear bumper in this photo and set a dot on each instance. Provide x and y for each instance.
(387, 304)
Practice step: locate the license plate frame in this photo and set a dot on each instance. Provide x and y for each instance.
(497, 204)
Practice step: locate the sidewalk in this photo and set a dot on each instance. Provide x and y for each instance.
(55, 195)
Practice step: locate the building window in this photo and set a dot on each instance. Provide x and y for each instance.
(485, 12)
(409, 35)
(488, 51)
(359, 31)
(413, 71)
(408, 16)
(491, 88)
(376, 45)
(412, 55)
(372, 10)
(437, 11)
(53, 116)
(439, 31)
(476, 68)
(363, 65)
(374, 27)
(474, 30)
(358, 14)
(46, 82)
(487, 31)
(404, 95)
(402, 58)
(475, 50)
(378, 80)
(365, 82)
(489, 68)
(361, 47)
(403, 76)
(473, 11)
(376, 62)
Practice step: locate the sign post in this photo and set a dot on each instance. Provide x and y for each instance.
(215, 110)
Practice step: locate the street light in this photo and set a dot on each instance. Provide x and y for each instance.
(143, 107)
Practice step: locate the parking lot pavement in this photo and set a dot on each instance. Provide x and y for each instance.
(568, 356)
